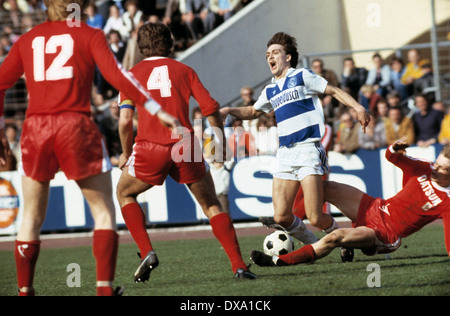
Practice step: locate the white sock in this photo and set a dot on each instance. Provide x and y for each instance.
(334, 225)
(299, 231)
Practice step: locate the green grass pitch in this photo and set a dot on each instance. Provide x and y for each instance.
(201, 268)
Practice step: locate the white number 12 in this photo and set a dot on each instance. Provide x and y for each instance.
(57, 70)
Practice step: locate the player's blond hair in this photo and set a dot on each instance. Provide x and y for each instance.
(57, 10)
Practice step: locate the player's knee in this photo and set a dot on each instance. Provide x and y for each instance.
(284, 220)
(319, 221)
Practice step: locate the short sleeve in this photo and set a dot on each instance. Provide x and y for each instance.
(263, 104)
(314, 83)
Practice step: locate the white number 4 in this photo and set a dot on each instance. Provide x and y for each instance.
(57, 70)
(159, 80)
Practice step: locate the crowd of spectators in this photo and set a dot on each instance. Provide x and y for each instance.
(399, 95)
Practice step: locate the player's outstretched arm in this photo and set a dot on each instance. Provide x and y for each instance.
(243, 113)
(347, 99)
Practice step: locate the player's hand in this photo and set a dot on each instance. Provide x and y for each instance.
(122, 161)
(400, 146)
(363, 117)
(168, 120)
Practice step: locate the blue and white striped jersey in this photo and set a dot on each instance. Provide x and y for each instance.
(297, 107)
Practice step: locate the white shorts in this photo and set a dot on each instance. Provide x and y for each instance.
(301, 160)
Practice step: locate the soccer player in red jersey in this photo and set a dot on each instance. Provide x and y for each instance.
(58, 58)
(381, 224)
(157, 154)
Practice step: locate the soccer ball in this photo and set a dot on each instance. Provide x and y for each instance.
(278, 243)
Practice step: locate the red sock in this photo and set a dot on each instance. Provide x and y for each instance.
(26, 254)
(105, 248)
(224, 231)
(135, 221)
(305, 254)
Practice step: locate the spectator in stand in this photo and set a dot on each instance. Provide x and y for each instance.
(115, 21)
(397, 71)
(329, 75)
(347, 141)
(132, 17)
(11, 132)
(109, 124)
(247, 97)
(199, 18)
(352, 78)
(174, 18)
(399, 127)
(444, 134)
(223, 9)
(118, 47)
(132, 54)
(382, 109)
(427, 122)
(94, 19)
(375, 135)
(241, 142)
(413, 69)
(380, 76)
(317, 66)
(369, 98)
(425, 84)
(12, 16)
(116, 44)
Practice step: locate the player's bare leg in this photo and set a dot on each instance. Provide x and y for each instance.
(27, 247)
(284, 192)
(97, 190)
(128, 189)
(313, 192)
(360, 237)
(221, 224)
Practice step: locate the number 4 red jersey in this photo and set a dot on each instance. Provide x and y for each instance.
(59, 63)
(171, 83)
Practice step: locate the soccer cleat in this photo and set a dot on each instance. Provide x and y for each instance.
(146, 266)
(347, 254)
(269, 222)
(245, 274)
(118, 291)
(261, 259)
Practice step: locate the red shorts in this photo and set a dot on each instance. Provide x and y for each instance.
(68, 141)
(371, 214)
(152, 163)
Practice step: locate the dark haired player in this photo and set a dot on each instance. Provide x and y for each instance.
(301, 159)
(151, 159)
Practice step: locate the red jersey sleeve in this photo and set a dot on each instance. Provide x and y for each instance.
(409, 165)
(10, 71)
(207, 104)
(114, 73)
